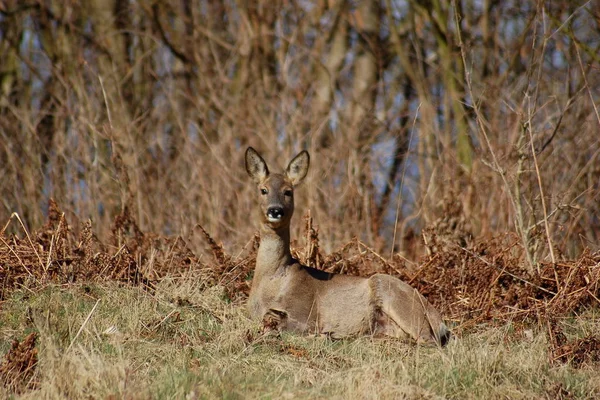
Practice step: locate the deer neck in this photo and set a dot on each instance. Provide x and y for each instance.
(273, 251)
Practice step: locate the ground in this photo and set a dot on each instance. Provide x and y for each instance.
(84, 319)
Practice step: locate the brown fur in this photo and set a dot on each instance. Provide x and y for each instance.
(291, 296)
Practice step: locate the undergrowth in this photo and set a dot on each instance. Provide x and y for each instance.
(143, 316)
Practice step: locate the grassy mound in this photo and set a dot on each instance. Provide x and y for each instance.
(144, 317)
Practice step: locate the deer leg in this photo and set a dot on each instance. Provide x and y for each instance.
(274, 321)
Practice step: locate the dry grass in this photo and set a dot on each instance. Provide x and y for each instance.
(146, 329)
(185, 342)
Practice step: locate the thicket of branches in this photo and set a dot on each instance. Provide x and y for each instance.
(473, 118)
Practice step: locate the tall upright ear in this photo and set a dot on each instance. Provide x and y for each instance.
(298, 168)
(256, 166)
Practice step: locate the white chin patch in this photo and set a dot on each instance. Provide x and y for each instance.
(271, 219)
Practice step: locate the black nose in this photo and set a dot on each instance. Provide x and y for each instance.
(275, 212)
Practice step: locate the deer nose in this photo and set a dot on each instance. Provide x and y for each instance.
(275, 212)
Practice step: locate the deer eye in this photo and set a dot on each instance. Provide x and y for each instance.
(288, 193)
(264, 191)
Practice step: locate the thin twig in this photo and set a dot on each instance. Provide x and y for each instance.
(16, 255)
(165, 318)
(28, 238)
(544, 210)
(410, 137)
(83, 325)
(105, 102)
(49, 259)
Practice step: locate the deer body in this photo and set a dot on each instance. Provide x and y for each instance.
(291, 296)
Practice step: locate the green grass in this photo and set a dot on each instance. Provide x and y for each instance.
(185, 343)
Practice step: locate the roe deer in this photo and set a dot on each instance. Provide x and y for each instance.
(290, 296)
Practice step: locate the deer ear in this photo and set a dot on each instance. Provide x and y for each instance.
(298, 168)
(256, 166)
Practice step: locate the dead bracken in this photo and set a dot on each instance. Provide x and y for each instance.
(18, 365)
(484, 282)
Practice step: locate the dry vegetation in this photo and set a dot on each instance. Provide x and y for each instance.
(143, 316)
(454, 144)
